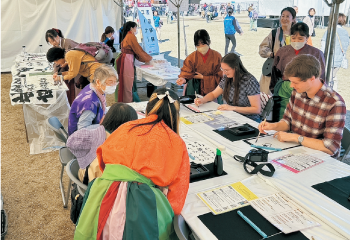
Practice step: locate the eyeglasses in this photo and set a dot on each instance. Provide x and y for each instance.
(225, 71)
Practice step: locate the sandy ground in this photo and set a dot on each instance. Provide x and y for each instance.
(30, 183)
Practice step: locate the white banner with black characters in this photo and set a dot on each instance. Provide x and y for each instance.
(36, 88)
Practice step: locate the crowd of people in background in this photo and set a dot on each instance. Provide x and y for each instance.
(113, 146)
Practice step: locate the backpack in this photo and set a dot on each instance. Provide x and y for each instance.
(255, 15)
(100, 51)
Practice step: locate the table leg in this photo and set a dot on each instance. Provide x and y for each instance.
(25, 126)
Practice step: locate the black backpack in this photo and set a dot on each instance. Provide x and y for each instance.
(76, 199)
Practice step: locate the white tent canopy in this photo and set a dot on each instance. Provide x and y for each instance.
(274, 7)
(25, 22)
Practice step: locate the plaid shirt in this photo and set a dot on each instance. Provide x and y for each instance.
(321, 117)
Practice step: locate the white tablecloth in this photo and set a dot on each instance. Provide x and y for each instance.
(154, 78)
(334, 218)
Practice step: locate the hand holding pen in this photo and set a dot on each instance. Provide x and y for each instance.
(198, 101)
(262, 127)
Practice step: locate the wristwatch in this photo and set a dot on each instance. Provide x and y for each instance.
(300, 139)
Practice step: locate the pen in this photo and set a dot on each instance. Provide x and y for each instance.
(195, 93)
(252, 224)
(260, 132)
(267, 148)
(193, 158)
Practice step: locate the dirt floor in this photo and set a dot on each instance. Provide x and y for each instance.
(30, 183)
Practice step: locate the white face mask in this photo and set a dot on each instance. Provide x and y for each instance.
(110, 89)
(137, 31)
(203, 49)
(297, 45)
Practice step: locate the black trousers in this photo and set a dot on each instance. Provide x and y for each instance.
(228, 38)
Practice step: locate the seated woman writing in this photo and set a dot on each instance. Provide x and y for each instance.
(202, 67)
(240, 89)
(136, 158)
(279, 85)
(84, 142)
(89, 107)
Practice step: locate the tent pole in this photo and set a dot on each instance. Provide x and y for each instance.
(332, 40)
(329, 32)
(178, 35)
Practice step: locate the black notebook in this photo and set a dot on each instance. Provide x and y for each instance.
(230, 226)
(338, 190)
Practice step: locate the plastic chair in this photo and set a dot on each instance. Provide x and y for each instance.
(64, 153)
(72, 172)
(181, 228)
(267, 110)
(57, 128)
(65, 157)
(345, 144)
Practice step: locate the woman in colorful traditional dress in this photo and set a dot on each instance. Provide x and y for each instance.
(201, 69)
(138, 160)
(130, 49)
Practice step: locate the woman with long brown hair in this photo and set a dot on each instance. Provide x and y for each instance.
(240, 89)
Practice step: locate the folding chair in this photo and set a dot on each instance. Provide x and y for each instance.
(345, 144)
(181, 228)
(266, 102)
(268, 108)
(72, 172)
(64, 153)
(57, 128)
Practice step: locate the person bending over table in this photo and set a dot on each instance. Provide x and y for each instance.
(135, 159)
(89, 107)
(315, 113)
(130, 49)
(240, 89)
(84, 142)
(201, 69)
(78, 63)
(55, 38)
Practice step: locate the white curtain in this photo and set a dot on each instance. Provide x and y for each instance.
(25, 22)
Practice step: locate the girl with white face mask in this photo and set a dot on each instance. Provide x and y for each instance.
(280, 86)
(201, 69)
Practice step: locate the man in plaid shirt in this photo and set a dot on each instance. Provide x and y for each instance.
(315, 113)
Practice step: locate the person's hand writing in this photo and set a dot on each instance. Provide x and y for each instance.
(265, 126)
(198, 76)
(54, 76)
(199, 101)
(226, 107)
(286, 137)
(180, 81)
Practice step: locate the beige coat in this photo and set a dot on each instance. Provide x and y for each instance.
(265, 50)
